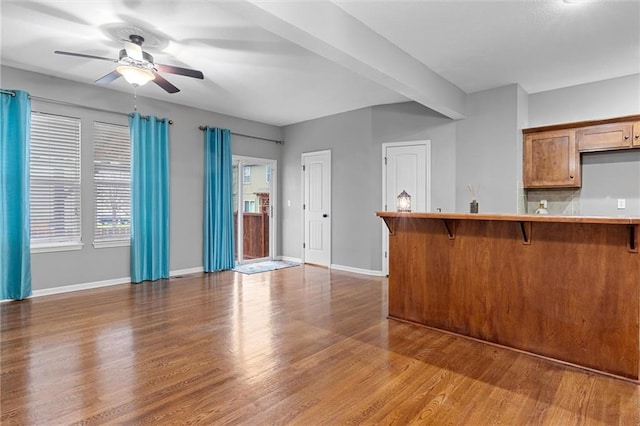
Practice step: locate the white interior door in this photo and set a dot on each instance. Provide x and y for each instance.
(316, 172)
(405, 167)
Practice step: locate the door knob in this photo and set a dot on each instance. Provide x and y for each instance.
(325, 215)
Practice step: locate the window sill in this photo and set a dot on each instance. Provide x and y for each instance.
(52, 247)
(109, 244)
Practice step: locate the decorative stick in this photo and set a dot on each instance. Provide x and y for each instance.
(474, 190)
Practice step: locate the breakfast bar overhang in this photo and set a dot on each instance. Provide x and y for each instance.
(564, 288)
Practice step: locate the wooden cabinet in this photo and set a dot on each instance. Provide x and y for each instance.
(551, 160)
(552, 153)
(608, 136)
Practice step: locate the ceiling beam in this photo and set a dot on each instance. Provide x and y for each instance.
(329, 31)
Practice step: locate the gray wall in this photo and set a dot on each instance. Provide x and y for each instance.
(487, 148)
(522, 119)
(410, 121)
(355, 139)
(353, 182)
(92, 265)
(603, 99)
(605, 176)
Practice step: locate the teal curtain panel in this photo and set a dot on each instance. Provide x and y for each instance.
(15, 256)
(218, 201)
(149, 198)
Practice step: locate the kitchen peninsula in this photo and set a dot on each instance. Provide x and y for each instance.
(564, 288)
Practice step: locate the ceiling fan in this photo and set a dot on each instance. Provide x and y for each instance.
(137, 66)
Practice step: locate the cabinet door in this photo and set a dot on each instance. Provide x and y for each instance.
(551, 160)
(605, 137)
(636, 135)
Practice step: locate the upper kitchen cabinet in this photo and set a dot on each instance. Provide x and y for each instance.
(551, 159)
(609, 136)
(552, 153)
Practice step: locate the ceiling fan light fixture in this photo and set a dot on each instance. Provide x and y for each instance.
(136, 76)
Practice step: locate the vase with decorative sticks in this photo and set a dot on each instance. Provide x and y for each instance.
(473, 205)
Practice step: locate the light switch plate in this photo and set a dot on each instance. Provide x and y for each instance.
(622, 203)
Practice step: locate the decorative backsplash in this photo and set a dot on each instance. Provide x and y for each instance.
(563, 202)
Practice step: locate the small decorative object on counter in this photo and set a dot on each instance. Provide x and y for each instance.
(542, 209)
(473, 205)
(404, 202)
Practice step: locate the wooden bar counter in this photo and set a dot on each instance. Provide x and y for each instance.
(565, 288)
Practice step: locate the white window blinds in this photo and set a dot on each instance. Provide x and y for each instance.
(55, 180)
(112, 182)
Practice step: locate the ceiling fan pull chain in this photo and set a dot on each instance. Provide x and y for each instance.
(135, 99)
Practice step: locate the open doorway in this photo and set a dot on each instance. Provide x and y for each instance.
(254, 183)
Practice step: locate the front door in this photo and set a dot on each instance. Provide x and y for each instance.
(316, 172)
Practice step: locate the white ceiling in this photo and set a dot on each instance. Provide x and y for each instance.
(286, 62)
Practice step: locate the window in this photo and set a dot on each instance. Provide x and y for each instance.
(249, 206)
(112, 184)
(246, 175)
(55, 183)
(267, 176)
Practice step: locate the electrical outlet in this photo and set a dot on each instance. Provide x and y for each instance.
(622, 203)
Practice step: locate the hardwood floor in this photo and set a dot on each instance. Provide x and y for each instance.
(303, 345)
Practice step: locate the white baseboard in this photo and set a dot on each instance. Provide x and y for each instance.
(186, 271)
(105, 283)
(77, 287)
(357, 270)
(338, 267)
(289, 259)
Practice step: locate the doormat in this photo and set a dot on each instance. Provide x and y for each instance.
(268, 265)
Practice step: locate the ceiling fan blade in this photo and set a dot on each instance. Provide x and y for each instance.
(82, 55)
(105, 79)
(180, 71)
(160, 81)
(134, 51)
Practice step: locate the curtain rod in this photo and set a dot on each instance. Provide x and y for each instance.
(7, 92)
(71, 104)
(249, 136)
(146, 117)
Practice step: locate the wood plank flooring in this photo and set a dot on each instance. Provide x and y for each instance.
(300, 346)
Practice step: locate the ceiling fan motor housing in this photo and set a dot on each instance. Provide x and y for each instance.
(137, 39)
(147, 61)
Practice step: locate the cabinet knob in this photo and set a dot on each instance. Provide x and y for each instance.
(637, 136)
(626, 137)
(571, 176)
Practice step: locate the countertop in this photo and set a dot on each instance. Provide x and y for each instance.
(514, 217)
